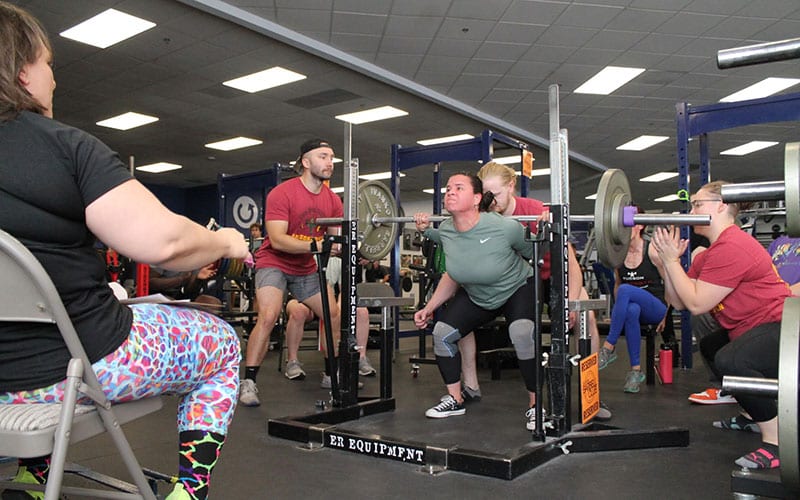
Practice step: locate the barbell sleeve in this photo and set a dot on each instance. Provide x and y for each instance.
(758, 53)
(751, 386)
(753, 191)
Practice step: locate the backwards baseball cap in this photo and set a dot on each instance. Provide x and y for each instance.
(307, 146)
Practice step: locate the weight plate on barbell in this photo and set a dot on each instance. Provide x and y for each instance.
(791, 180)
(611, 237)
(375, 200)
(788, 411)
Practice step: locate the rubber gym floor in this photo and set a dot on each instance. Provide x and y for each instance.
(254, 465)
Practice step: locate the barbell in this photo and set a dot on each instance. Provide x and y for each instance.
(613, 215)
(788, 190)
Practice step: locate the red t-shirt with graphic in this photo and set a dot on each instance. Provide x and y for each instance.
(737, 260)
(290, 201)
(531, 206)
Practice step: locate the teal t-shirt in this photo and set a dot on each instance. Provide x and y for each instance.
(490, 261)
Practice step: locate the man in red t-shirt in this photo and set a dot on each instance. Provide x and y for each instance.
(285, 261)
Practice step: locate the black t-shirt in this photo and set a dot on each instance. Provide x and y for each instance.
(50, 172)
(376, 274)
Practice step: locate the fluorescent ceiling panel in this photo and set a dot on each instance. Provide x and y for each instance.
(669, 197)
(642, 142)
(430, 191)
(659, 177)
(764, 88)
(379, 176)
(127, 121)
(372, 115)
(339, 189)
(441, 140)
(591, 197)
(267, 79)
(234, 143)
(508, 160)
(750, 147)
(608, 80)
(157, 168)
(538, 172)
(107, 28)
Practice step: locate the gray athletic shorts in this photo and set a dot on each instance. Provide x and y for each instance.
(301, 287)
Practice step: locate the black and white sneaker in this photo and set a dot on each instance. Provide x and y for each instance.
(447, 407)
(530, 418)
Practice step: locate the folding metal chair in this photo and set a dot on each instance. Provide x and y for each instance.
(34, 430)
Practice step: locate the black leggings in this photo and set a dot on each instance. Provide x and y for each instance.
(465, 316)
(753, 354)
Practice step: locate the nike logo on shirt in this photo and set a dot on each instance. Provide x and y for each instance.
(485, 240)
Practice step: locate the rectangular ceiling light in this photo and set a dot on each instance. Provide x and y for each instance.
(642, 142)
(508, 160)
(659, 177)
(430, 191)
(337, 190)
(379, 176)
(539, 172)
(157, 168)
(127, 121)
(442, 140)
(591, 197)
(608, 80)
(107, 28)
(669, 197)
(764, 88)
(262, 80)
(234, 143)
(372, 115)
(750, 147)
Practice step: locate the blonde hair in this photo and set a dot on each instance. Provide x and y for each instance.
(494, 169)
(715, 188)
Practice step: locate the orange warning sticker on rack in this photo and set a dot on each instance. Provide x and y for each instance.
(590, 388)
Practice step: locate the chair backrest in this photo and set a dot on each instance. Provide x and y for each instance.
(30, 296)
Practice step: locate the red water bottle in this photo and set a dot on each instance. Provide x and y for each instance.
(665, 364)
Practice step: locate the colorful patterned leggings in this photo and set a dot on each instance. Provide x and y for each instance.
(170, 350)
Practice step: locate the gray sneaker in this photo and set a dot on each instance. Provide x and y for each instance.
(605, 357)
(469, 394)
(603, 413)
(248, 393)
(365, 368)
(326, 382)
(294, 370)
(633, 380)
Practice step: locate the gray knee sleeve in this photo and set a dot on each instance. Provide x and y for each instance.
(445, 340)
(521, 333)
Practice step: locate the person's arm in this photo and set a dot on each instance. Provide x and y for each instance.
(795, 289)
(160, 283)
(281, 240)
(695, 295)
(130, 219)
(385, 274)
(445, 289)
(198, 280)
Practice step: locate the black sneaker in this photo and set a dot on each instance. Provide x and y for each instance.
(447, 407)
(469, 394)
